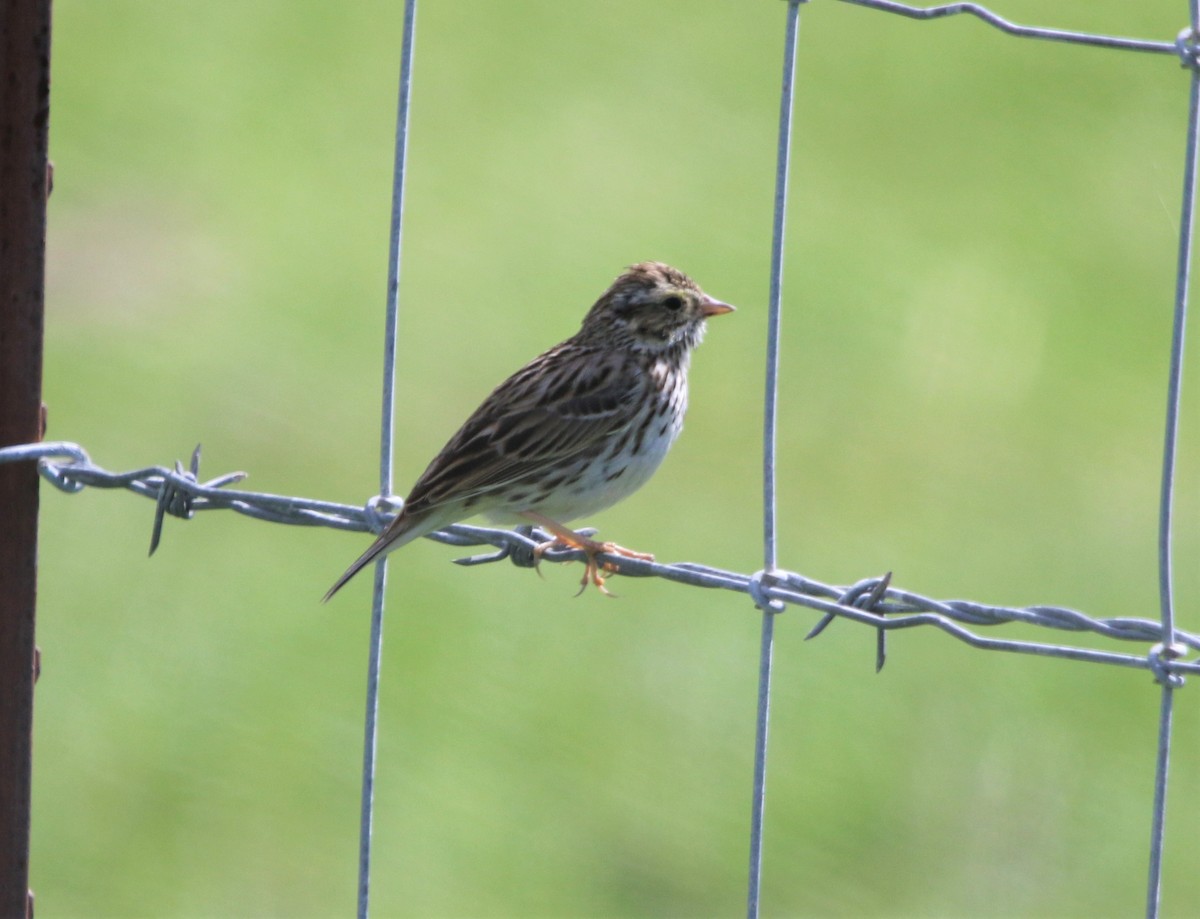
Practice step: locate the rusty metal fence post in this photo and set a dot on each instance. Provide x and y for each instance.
(24, 122)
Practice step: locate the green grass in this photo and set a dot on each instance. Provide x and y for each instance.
(978, 287)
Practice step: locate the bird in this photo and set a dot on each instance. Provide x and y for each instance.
(577, 429)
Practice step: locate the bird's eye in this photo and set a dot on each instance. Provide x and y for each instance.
(673, 303)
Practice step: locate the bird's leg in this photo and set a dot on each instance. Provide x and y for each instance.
(565, 536)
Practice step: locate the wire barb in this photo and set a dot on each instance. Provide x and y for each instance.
(520, 553)
(176, 501)
(864, 594)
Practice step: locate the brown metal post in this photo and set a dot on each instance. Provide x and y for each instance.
(24, 122)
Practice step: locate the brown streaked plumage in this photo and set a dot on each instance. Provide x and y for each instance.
(575, 430)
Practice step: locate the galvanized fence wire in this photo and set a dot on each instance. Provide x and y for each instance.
(178, 492)
(873, 601)
(770, 607)
(386, 457)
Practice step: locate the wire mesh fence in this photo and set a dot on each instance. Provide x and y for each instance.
(1161, 648)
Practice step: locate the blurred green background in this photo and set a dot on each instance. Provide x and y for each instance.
(979, 280)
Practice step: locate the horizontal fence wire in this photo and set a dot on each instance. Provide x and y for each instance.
(1012, 28)
(178, 492)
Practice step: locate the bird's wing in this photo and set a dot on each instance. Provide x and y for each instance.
(562, 405)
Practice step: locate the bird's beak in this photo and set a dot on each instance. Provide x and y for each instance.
(711, 307)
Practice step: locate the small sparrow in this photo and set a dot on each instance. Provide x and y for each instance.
(575, 430)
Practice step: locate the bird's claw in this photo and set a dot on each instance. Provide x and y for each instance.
(593, 568)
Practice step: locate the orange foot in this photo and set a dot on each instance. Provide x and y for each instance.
(564, 536)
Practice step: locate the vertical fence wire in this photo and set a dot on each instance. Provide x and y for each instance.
(762, 717)
(386, 451)
(1188, 42)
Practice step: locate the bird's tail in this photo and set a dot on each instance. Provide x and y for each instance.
(399, 532)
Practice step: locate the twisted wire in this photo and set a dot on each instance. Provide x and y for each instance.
(68, 467)
(1021, 31)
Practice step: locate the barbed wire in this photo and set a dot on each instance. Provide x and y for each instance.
(178, 492)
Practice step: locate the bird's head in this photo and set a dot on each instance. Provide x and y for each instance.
(652, 307)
